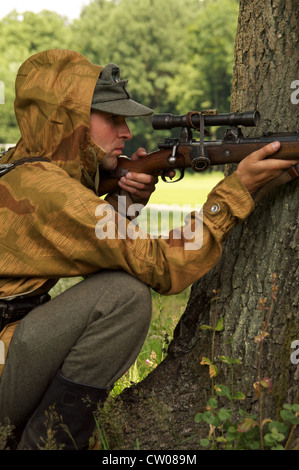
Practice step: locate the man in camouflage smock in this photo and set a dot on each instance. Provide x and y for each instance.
(71, 114)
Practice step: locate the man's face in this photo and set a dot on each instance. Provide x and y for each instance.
(110, 132)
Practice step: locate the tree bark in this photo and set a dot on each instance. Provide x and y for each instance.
(160, 411)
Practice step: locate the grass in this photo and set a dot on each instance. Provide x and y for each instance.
(171, 202)
(166, 314)
(192, 189)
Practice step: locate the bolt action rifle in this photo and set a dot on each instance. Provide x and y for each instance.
(186, 152)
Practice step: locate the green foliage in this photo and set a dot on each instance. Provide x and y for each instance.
(233, 428)
(204, 80)
(177, 54)
(230, 434)
(166, 314)
(22, 36)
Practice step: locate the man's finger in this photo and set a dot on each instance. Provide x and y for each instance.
(140, 153)
(265, 151)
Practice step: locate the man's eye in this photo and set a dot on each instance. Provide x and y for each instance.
(117, 119)
(113, 118)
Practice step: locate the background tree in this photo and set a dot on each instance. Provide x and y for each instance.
(147, 40)
(160, 411)
(22, 36)
(204, 80)
(172, 51)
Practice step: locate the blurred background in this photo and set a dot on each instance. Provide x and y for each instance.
(177, 54)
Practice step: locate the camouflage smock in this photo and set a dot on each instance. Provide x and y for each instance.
(48, 213)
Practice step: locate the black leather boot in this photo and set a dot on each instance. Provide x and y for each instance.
(75, 405)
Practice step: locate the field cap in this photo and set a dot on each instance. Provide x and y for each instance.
(111, 96)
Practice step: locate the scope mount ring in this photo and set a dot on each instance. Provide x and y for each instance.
(199, 156)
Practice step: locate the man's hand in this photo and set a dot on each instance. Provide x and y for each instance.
(256, 170)
(140, 186)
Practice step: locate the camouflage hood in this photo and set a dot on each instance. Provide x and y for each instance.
(54, 91)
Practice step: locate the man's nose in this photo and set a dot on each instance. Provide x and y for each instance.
(125, 132)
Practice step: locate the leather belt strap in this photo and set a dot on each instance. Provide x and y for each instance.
(6, 167)
(16, 309)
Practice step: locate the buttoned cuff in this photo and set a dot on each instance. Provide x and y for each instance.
(228, 204)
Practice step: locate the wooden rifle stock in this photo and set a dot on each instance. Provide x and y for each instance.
(217, 152)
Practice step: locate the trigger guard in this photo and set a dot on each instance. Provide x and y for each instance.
(165, 172)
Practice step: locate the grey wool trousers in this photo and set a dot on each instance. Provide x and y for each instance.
(93, 331)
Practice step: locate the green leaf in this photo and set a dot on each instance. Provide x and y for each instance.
(210, 418)
(198, 417)
(281, 427)
(288, 416)
(225, 359)
(224, 414)
(204, 442)
(205, 361)
(239, 396)
(222, 391)
(219, 326)
(230, 437)
(279, 437)
(254, 445)
(236, 361)
(212, 402)
(229, 360)
(206, 327)
(269, 440)
(232, 430)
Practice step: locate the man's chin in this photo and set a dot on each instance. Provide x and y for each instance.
(109, 165)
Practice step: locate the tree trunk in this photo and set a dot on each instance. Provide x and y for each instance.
(160, 411)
